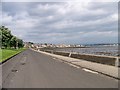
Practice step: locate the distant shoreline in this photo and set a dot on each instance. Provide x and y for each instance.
(63, 47)
(103, 51)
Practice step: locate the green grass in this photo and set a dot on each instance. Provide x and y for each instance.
(7, 53)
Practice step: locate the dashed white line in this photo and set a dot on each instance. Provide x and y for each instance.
(87, 70)
(73, 65)
(54, 58)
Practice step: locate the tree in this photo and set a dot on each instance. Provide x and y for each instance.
(20, 43)
(13, 42)
(0, 38)
(6, 36)
(8, 40)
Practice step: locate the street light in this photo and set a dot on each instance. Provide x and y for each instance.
(17, 45)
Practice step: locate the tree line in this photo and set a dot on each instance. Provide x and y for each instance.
(7, 40)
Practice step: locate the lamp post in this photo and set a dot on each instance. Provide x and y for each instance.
(17, 45)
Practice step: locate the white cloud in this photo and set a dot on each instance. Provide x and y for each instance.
(7, 19)
(60, 0)
(61, 22)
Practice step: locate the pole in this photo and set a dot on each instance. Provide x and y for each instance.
(117, 63)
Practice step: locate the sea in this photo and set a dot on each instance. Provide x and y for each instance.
(96, 50)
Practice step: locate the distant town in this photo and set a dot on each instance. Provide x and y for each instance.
(48, 45)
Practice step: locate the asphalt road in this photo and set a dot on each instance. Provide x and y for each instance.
(31, 69)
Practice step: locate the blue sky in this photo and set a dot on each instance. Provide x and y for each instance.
(62, 22)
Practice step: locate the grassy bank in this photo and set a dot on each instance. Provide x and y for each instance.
(7, 53)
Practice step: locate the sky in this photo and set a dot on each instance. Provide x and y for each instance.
(62, 22)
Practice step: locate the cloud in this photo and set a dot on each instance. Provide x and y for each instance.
(62, 22)
(61, 1)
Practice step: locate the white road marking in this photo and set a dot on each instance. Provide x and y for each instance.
(67, 63)
(73, 65)
(57, 59)
(54, 58)
(87, 70)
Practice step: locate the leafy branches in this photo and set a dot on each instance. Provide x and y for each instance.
(8, 40)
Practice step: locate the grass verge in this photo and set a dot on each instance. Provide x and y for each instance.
(7, 53)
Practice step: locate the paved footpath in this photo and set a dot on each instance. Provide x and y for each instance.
(109, 70)
(32, 69)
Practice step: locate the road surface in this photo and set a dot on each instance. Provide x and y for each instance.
(32, 69)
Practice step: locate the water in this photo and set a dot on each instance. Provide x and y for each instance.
(97, 50)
